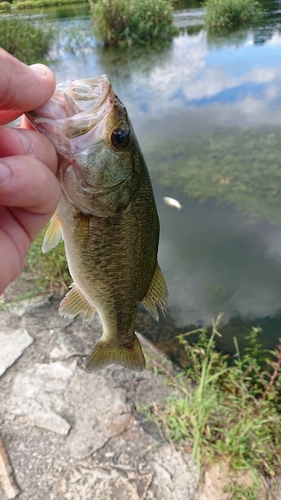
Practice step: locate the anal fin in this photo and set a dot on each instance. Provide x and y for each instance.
(53, 235)
(105, 353)
(157, 295)
(74, 303)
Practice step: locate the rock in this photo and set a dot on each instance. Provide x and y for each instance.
(12, 345)
(99, 446)
(174, 477)
(56, 353)
(24, 306)
(36, 395)
(73, 339)
(48, 420)
(125, 469)
(100, 411)
(104, 483)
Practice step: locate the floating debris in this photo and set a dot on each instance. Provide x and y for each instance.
(172, 202)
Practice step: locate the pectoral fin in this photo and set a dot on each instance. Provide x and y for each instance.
(129, 355)
(157, 295)
(74, 303)
(53, 235)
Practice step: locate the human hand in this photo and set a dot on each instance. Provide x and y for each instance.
(29, 189)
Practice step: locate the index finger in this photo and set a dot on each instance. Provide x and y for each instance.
(22, 87)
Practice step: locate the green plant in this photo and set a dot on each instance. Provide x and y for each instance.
(30, 4)
(131, 21)
(49, 270)
(230, 408)
(233, 165)
(231, 13)
(5, 6)
(25, 40)
(242, 492)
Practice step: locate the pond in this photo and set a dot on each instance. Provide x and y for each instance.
(207, 113)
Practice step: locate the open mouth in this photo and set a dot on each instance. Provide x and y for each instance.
(89, 90)
(71, 98)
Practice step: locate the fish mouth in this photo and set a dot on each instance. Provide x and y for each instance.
(82, 197)
(86, 187)
(75, 108)
(73, 97)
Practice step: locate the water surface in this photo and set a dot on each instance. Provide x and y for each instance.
(207, 112)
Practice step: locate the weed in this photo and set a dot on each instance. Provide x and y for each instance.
(30, 4)
(132, 21)
(231, 13)
(242, 492)
(229, 164)
(25, 40)
(49, 270)
(5, 6)
(230, 408)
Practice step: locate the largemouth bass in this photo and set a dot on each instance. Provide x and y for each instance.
(107, 216)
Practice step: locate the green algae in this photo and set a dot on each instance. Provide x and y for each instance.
(239, 166)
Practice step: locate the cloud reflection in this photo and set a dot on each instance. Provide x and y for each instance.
(194, 75)
(212, 258)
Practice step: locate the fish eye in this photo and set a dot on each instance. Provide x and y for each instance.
(120, 138)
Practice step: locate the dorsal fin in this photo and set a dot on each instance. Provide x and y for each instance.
(157, 295)
(74, 303)
(53, 235)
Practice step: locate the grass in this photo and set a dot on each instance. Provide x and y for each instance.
(5, 6)
(25, 40)
(30, 4)
(132, 21)
(242, 492)
(47, 271)
(229, 408)
(232, 13)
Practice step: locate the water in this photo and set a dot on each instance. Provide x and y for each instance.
(207, 112)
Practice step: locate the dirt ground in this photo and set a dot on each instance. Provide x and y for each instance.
(83, 436)
(76, 435)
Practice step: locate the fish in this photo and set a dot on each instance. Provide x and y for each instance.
(172, 202)
(107, 217)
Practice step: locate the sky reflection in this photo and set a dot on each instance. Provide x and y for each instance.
(194, 71)
(214, 257)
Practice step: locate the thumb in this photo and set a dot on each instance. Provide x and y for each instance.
(22, 87)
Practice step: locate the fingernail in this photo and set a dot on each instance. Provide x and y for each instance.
(5, 173)
(27, 144)
(40, 69)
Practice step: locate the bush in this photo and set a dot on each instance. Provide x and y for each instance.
(231, 13)
(5, 6)
(29, 4)
(24, 40)
(132, 21)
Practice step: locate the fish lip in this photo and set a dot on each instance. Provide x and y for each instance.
(81, 180)
(97, 91)
(112, 188)
(66, 121)
(87, 190)
(86, 186)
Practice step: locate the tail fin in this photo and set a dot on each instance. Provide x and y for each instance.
(129, 355)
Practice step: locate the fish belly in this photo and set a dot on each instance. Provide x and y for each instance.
(112, 260)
